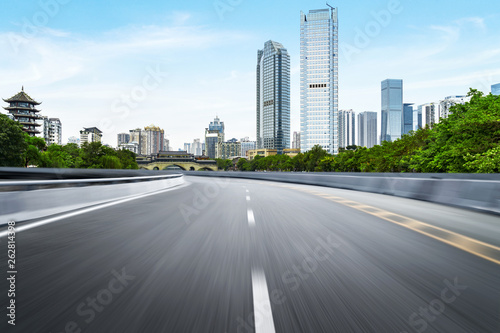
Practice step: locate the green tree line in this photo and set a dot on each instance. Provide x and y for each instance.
(18, 149)
(468, 141)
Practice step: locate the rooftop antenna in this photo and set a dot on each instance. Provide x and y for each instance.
(329, 6)
(22, 88)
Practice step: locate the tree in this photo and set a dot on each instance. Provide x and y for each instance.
(223, 164)
(12, 143)
(33, 152)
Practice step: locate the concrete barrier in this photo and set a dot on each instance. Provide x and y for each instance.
(470, 191)
(28, 199)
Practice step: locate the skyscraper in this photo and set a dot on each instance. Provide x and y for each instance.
(273, 97)
(495, 89)
(367, 129)
(392, 110)
(407, 118)
(319, 80)
(347, 128)
(296, 140)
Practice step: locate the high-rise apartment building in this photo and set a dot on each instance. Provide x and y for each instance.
(150, 140)
(446, 104)
(407, 122)
(392, 110)
(196, 148)
(429, 113)
(154, 140)
(495, 89)
(367, 129)
(273, 97)
(347, 128)
(214, 134)
(55, 132)
(319, 80)
(123, 138)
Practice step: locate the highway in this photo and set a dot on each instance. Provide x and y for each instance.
(233, 255)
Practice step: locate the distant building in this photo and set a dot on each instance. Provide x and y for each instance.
(430, 114)
(417, 118)
(273, 97)
(166, 144)
(74, 139)
(296, 140)
(392, 110)
(261, 152)
(44, 128)
(367, 129)
(187, 147)
(23, 109)
(291, 152)
(91, 134)
(319, 79)
(446, 104)
(196, 148)
(55, 132)
(133, 146)
(150, 140)
(407, 121)
(123, 138)
(347, 128)
(495, 89)
(228, 150)
(154, 140)
(247, 145)
(214, 135)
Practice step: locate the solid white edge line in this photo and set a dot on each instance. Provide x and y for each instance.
(261, 302)
(251, 218)
(24, 227)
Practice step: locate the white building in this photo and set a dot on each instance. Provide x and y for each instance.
(319, 80)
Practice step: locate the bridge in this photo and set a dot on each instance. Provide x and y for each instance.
(172, 160)
(172, 165)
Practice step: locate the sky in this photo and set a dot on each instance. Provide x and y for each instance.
(120, 65)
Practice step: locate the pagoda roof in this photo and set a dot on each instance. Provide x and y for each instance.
(22, 97)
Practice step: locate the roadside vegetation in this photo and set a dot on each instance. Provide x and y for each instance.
(18, 149)
(466, 142)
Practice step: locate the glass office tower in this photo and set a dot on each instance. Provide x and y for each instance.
(319, 80)
(273, 97)
(392, 110)
(495, 89)
(407, 118)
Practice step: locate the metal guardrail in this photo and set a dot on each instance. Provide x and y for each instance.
(471, 191)
(31, 185)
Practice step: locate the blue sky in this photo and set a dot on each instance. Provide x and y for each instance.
(125, 64)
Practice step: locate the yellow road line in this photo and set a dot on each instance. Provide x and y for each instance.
(470, 245)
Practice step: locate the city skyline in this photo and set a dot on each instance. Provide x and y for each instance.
(72, 63)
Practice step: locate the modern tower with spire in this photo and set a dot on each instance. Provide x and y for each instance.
(319, 80)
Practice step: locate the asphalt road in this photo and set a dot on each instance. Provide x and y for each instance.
(251, 256)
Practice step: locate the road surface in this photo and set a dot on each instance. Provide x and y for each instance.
(222, 255)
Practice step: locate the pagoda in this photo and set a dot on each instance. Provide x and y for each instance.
(23, 108)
